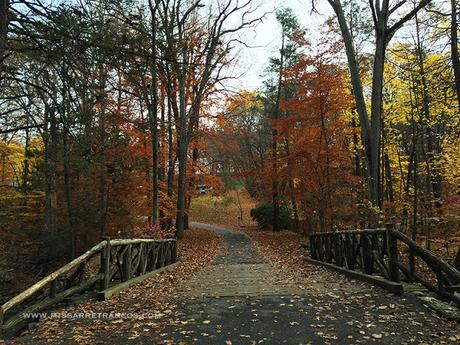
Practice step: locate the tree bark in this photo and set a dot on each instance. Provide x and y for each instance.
(276, 115)
(454, 48)
(51, 171)
(25, 174)
(153, 117)
(181, 186)
(359, 98)
(171, 162)
(389, 178)
(376, 117)
(65, 119)
(4, 21)
(68, 196)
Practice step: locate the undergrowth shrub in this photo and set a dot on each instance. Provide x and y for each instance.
(263, 215)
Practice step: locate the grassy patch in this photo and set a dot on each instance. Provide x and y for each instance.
(223, 209)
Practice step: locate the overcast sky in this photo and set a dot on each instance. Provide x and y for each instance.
(264, 39)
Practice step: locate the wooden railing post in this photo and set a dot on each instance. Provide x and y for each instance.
(312, 247)
(105, 264)
(162, 253)
(2, 315)
(392, 245)
(153, 257)
(127, 258)
(456, 262)
(349, 252)
(366, 254)
(174, 251)
(327, 248)
(53, 288)
(168, 254)
(338, 250)
(143, 250)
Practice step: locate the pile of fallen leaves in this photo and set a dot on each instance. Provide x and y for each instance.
(151, 301)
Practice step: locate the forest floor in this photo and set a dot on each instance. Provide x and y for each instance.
(18, 267)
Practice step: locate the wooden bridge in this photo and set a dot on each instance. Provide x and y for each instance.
(373, 255)
(109, 266)
(241, 294)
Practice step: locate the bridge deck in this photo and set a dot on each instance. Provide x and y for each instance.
(242, 299)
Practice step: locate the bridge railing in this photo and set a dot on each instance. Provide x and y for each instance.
(379, 252)
(108, 263)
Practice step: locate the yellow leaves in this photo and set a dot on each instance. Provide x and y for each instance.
(451, 162)
(404, 88)
(11, 158)
(11, 150)
(244, 103)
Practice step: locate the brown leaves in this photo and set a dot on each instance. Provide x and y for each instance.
(368, 313)
(149, 300)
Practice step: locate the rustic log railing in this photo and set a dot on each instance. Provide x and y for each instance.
(107, 264)
(377, 252)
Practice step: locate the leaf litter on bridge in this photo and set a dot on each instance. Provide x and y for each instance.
(155, 296)
(330, 309)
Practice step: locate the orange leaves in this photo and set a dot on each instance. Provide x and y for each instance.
(311, 136)
(314, 161)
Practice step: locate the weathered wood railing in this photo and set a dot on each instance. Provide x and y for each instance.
(377, 251)
(109, 263)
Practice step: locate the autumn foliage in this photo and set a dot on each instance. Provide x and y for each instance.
(314, 162)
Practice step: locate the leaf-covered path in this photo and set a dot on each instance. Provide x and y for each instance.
(250, 296)
(240, 271)
(242, 299)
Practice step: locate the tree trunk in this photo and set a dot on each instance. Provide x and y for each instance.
(357, 155)
(51, 171)
(153, 117)
(376, 118)
(360, 102)
(4, 21)
(434, 177)
(162, 135)
(181, 187)
(171, 164)
(65, 120)
(68, 195)
(454, 48)
(171, 161)
(292, 189)
(191, 183)
(370, 133)
(181, 152)
(25, 174)
(389, 178)
(276, 115)
(103, 188)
